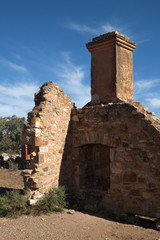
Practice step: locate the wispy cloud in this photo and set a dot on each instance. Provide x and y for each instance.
(143, 41)
(71, 78)
(145, 85)
(17, 99)
(14, 66)
(154, 102)
(82, 28)
(101, 29)
(148, 92)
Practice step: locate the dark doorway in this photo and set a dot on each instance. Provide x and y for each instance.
(94, 167)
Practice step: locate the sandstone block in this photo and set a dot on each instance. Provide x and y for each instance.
(129, 177)
(75, 118)
(43, 149)
(37, 123)
(39, 141)
(41, 158)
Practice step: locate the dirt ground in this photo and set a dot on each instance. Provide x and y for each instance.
(66, 226)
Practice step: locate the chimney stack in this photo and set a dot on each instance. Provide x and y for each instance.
(111, 67)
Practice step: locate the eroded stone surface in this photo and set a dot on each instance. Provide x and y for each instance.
(44, 137)
(130, 182)
(107, 154)
(111, 67)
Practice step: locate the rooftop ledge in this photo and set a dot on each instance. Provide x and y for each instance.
(110, 39)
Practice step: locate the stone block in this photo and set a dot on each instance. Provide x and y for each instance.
(134, 192)
(112, 154)
(75, 118)
(43, 149)
(38, 132)
(32, 202)
(50, 173)
(129, 177)
(41, 158)
(37, 123)
(39, 141)
(61, 150)
(45, 169)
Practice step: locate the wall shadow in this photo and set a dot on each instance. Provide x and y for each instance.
(135, 220)
(65, 175)
(66, 179)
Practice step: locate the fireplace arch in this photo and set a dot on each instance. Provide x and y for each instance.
(94, 167)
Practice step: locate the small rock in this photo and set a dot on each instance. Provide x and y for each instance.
(32, 202)
(71, 211)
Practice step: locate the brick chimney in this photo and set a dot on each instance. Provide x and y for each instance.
(111, 67)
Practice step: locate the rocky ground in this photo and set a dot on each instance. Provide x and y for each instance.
(69, 225)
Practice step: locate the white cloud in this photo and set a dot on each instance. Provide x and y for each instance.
(16, 67)
(154, 102)
(109, 28)
(143, 41)
(71, 80)
(18, 90)
(101, 29)
(82, 28)
(145, 85)
(7, 110)
(147, 91)
(17, 99)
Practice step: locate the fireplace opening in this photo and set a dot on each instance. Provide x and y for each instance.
(94, 167)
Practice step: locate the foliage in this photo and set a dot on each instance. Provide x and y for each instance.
(12, 165)
(14, 203)
(11, 134)
(54, 201)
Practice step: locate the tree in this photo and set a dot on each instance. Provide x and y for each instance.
(11, 134)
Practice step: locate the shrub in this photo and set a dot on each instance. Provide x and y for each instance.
(12, 165)
(12, 204)
(54, 201)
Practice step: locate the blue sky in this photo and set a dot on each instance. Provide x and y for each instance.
(44, 40)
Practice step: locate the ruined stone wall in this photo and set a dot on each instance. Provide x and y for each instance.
(44, 139)
(122, 175)
(108, 153)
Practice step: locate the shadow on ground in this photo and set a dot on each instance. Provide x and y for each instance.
(140, 221)
(3, 190)
(10, 180)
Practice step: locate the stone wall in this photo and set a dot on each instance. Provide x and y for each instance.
(116, 158)
(44, 139)
(107, 154)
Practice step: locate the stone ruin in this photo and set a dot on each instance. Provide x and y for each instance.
(107, 154)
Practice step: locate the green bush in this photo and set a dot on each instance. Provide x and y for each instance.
(14, 203)
(54, 201)
(12, 165)
(11, 134)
